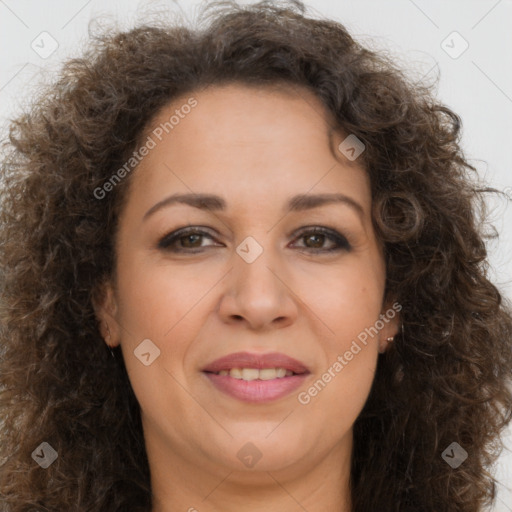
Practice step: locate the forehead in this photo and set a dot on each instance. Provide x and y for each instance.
(244, 114)
(238, 138)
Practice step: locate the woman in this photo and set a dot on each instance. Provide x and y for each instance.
(243, 269)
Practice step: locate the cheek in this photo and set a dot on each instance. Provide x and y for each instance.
(347, 299)
(167, 306)
(337, 396)
(350, 352)
(350, 309)
(155, 297)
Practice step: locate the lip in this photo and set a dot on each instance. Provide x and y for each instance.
(256, 391)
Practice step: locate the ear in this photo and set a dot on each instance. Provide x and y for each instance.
(105, 307)
(391, 318)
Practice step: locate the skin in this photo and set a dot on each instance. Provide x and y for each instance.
(255, 147)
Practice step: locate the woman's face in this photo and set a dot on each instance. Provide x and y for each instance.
(251, 277)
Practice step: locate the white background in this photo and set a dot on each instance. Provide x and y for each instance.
(477, 84)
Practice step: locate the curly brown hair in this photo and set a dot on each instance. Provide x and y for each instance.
(447, 376)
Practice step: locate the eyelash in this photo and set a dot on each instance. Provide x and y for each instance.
(342, 244)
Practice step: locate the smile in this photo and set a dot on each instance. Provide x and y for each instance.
(252, 377)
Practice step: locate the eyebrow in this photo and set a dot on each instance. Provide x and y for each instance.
(296, 203)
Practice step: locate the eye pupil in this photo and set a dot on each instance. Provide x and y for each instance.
(319, 240)
(190, 238)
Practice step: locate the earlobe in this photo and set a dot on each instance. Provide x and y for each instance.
(386, 344)
(392, 324)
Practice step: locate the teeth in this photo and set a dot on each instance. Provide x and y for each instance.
(254, 373)
(272, 373)
(250, 373)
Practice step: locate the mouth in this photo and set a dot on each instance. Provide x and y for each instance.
(256, 377)
(249, 374)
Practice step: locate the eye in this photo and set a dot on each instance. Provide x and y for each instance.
(184, 240)
(315, 236)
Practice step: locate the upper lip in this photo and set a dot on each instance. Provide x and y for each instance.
(260, 361)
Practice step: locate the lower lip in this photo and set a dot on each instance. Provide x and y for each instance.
(256, 390)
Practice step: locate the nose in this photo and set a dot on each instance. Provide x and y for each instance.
(257, 294)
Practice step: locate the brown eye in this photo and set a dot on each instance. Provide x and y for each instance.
(184, 240)
(315, 238)
(191, 240)
(317, 241)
